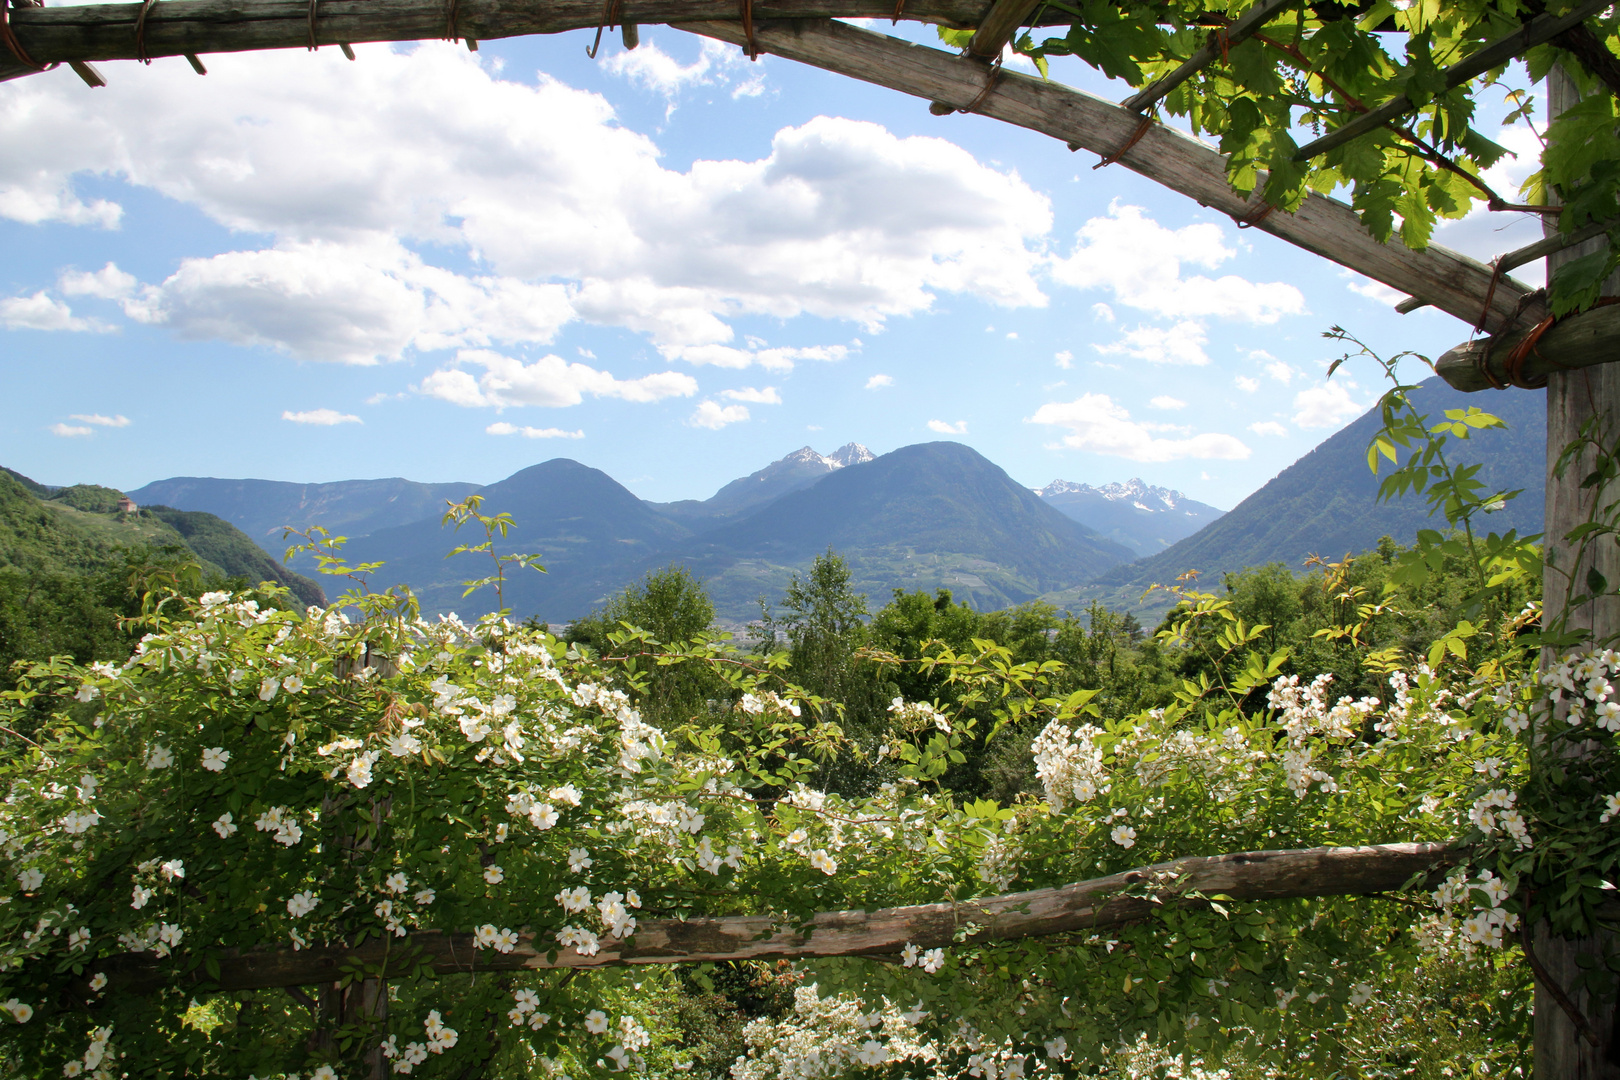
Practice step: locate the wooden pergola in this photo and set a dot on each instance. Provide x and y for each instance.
(1576, 1036)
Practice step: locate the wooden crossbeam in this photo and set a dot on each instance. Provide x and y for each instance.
(999, 26)
(178, 27)
(1513, 359)
(1538, 30)
(1133, 896)
(1450, 281)
(1220, 41)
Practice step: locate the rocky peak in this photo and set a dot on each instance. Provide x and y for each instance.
(849, 454)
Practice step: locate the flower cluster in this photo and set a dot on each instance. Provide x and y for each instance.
(1581, 686)
(1487, 923)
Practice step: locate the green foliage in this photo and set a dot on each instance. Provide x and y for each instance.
(91, 498)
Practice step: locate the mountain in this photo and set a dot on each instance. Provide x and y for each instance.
(798, 470)
(1326, 502)
(78, 529)
(261, 508)
(1144, 518)
(578, 519)
(936, 515)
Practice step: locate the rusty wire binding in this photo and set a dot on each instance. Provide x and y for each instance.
(9, 35)
(1136, 137)
(610, 17)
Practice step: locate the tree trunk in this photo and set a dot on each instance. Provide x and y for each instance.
(1573, 397)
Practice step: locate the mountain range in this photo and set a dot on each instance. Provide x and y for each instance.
(935, 515)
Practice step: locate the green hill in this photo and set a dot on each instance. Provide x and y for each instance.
(78, 530)
(1327, 502)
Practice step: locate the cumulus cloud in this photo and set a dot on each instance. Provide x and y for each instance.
(714, 416)
(1268, 427)
(321, 417)
(772, 359)
(43, 312)
(356, 303)
(69, 431)
(1064, 358)
(944, 428)
(549, 382)
(1375, 291)
(360, 172)
(1140, 262)
(1329, 405)
(877, 382)
(1246, 384)
(1097, 424)
(1282, 372)
(766, 396)
(1165, 401)
(501, 427)
(1181, 343)
(108, 283)
(651, 68)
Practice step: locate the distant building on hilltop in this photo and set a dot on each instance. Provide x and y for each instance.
(126, 505)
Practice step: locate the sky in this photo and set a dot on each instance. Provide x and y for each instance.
(671, 264)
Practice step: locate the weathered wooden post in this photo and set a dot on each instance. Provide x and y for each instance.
(1563, 1050)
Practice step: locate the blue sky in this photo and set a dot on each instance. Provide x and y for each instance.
(671, 264)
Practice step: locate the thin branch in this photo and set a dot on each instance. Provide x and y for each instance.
(1540, 29)
(1220, 41)
(1550, 984)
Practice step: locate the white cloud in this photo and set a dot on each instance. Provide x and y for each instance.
(1102, 312)
(1376, 291)
(714, 416)
(1268, 427)
(99, 420)
(651, 68)
(1140, 262)
(1329, 405)
(108, 283)
(778, 359)
(1065, 359)
(352, 302)
(1181, 343)
(1282, 372)
(42, 312)
(1096, 424)
(69, 431)
(550, 382)
(501, 427)
(321, 417)
(877, 382)
(1165, 401)
(944, 428)
(1246, 384)
(767, 396)
(361, 172)
(1012, 335)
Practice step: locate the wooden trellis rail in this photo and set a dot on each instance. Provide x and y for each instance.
(1132, 896)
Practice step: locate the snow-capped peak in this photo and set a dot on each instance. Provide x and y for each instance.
(1139, 493)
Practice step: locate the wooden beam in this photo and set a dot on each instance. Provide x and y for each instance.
(1219, 42)
(1577, 341)
(1133, 896)
(1450, 281)
(1540, 29)
(177, 27)
(999, 26)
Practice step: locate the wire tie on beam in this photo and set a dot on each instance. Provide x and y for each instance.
(1136, 137)
(610, 12)
(1490, 294)
(1255, 218)
(140, 32)
(899, 6)
(313, 46)
(450, 22)
(15, 46)
(752, 48)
